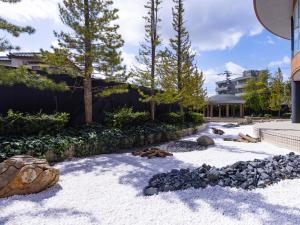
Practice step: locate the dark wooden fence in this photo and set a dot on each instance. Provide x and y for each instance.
(23, 99)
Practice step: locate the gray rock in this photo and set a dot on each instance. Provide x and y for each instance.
(213, 175)
(246, 175)
(205, 141)
(150, 191)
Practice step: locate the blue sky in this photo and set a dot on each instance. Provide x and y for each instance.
(225, 33)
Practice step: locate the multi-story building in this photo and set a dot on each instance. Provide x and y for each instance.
(30, 60)
(282, 18)
(236, 86)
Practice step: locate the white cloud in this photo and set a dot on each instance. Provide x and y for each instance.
(129, 60)
(28, 10)
(234, 68)
(270, 40)
(211, 77)
(213, 25)
(219, 24)
(131, 20)
(283, 62)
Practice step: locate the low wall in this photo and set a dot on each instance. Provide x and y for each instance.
(224, 120)
(127, 144)
(282, 134)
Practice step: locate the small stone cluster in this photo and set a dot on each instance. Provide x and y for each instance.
(152, 153)
(247, 175)
(181, 146)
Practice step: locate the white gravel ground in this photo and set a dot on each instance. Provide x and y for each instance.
(108, 190)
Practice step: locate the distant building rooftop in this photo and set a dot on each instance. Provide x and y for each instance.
(24, 55)
(4, 58)
(226, 99)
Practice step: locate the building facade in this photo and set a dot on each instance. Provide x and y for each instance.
(236, 86)
(30, 60)
(282, 18)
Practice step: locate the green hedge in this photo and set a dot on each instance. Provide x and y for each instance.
(171, 118)
(15, 123)
(194, 117)
(287, 115)
(88, 141)
(268, 116)
(126, 117)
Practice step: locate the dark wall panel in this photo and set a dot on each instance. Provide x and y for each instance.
(23, 99)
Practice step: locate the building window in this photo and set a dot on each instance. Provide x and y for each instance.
(296, 28)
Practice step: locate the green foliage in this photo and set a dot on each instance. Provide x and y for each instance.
(263, 89)
(180, 79)
(146, 75)
(268, 116)
(21, 75)
(257, 92)
(251, 95)
(277, 92)
(171, 118)
(12, 29)
(287, 115)
(87, 141)
(287, 96)
(91, 46)
(126, 117)
(15, 123)
(194, 117)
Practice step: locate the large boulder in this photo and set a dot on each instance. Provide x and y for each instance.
(21, 175)
(205, 141)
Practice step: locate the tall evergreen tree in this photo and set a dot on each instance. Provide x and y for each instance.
(277, 92)
(91, 47)
(12, 29)
(146, 74)
(178, 66)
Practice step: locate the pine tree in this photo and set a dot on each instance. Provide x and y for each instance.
(194, 95)
(178, 70)
(277, 92)
(146, 74)
(12, 29)
(91, 47)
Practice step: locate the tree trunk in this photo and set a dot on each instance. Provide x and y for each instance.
(88, 100)
(153, 56)
(179, 57)
(88, 67)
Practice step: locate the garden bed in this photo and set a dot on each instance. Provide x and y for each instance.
(107, 189)
(91, 141)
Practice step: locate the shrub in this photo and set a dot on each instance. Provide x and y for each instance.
(171, 118)
(287, 115)
(194, 117)
(15, 123)
(268, 116)
(126, 117)
(87, 141)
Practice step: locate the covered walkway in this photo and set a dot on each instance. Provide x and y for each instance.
(225, 106)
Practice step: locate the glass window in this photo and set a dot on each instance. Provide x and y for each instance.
(296, 28)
